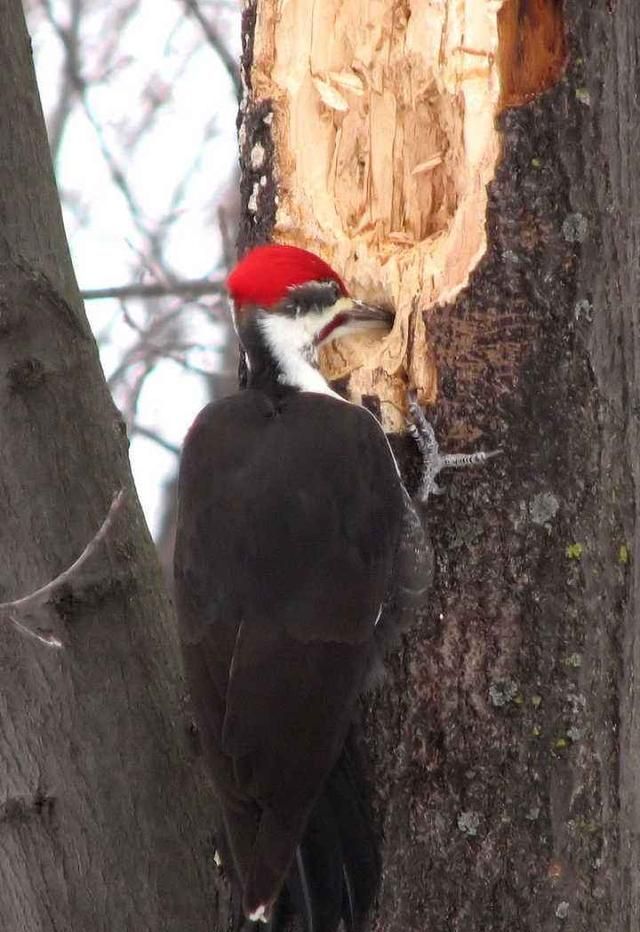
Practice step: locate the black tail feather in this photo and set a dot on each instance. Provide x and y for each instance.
(315, 883)
(300, 890)
(335, 874)
(279, 919)
(361, 861)
(349, 902)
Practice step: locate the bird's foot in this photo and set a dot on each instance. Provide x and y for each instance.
(433, 461)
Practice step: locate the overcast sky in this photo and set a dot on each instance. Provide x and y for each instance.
(159, 54)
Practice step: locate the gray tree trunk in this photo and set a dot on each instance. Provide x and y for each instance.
(504, 747)
(105, 820)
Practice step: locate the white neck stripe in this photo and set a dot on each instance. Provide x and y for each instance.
(287, 339)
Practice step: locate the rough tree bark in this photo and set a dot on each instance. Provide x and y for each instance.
(504, 747)
(104, 816)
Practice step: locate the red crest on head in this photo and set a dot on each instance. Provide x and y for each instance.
(264, 276)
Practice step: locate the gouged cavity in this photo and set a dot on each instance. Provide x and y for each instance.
(532, 48)
(385, 136)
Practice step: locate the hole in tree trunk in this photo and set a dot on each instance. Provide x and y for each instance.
(384, 129)
(532, 49)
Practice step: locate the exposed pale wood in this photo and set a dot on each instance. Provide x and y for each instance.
(365, 94)
(385, 137)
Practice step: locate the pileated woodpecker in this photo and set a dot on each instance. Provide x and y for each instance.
(294, 531)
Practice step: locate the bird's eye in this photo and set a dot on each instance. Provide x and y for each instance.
(335, 291)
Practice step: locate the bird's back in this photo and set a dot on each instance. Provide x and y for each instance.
(289, 517)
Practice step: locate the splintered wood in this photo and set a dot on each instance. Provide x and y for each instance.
(385, 140)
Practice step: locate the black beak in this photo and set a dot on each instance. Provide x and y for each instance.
(371, 315)
(354, 316)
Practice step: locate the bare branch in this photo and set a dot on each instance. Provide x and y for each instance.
(228, 250)
(132, 390)
(216, 43)
(47, 637)
(68, 89)
(195, 288)
(141, 431)
(35, 600)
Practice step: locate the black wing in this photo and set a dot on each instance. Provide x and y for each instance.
(288, 524)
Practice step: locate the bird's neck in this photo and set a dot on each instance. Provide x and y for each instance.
(276, 361)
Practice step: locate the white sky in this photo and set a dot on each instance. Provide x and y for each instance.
(162, 48)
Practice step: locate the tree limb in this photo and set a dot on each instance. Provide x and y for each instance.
(216, 43)
(196, 287)
(40, 596)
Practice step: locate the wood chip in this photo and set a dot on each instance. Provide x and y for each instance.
(330, 96)
(348, 80)
(428, 164)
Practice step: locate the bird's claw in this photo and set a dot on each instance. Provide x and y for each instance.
(433, 462)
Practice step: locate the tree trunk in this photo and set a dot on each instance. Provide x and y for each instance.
(504, 745)
(104, 815)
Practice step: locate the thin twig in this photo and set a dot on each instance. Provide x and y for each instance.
(47, 637)
(228, 251)
(199, 286)
(68, 87)
(141, 431)
(228, 60)
(40, 596)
